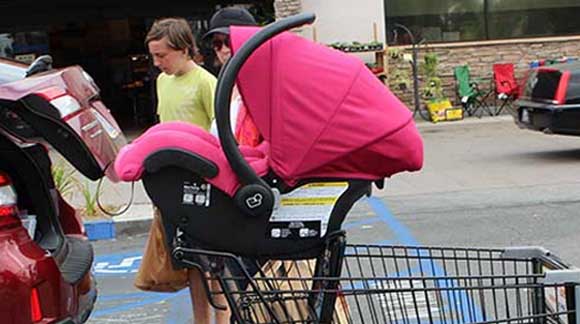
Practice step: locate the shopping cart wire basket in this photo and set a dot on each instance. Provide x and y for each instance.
(402, 284)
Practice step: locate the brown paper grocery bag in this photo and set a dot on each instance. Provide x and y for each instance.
(294, 309)
(156, 272)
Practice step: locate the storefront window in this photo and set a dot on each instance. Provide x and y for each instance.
(470, 20)
(525, 18)
(436, 21)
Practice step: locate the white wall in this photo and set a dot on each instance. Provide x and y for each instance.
(345, 20)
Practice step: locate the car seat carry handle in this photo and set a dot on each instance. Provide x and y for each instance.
(255, 196)
(226, 83)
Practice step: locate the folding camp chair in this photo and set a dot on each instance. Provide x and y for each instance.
(506, 86)
(471, 97)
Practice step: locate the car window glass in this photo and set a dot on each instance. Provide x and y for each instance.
(573, 92)
(10, 72)
(543, 84)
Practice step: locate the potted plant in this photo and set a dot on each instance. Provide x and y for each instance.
(438, 105)
(400, 78)
(375, 68)
(336, 45)
(345, 47)
(432, 90)
(394, 52)
(375, 46)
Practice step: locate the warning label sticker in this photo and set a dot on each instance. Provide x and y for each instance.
(311, 202)
(196, 194)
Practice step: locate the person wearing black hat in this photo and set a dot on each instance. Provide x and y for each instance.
(219, 29)
(243, 126)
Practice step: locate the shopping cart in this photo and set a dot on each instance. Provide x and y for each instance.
(398, 284)
(331, 130)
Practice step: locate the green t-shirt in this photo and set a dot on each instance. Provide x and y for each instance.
(188, 97)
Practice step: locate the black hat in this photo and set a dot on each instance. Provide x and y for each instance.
(222, 20)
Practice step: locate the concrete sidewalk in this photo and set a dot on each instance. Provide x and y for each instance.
(137, 218)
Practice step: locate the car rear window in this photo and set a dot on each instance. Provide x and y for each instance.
(542, 84)
(573, 93)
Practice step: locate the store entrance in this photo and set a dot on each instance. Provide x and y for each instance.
(107, 40)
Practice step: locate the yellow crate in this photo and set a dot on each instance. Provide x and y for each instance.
(454, 114)
(442, 110)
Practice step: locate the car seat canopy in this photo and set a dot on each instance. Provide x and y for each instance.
(323, 112)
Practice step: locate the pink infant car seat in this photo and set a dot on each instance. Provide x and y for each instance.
(325, 120)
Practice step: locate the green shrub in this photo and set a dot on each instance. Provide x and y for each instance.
(91, 208)
(64, 179)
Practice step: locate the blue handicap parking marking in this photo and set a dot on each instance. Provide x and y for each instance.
(181, 310)
(117, 264)
(404, 236)
(452, 299)
(130, 301)
(121, 264)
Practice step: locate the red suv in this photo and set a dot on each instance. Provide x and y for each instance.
(45, 257)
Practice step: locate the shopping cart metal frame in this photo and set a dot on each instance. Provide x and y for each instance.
(399, 284)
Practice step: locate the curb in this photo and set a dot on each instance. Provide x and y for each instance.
(100, 230)
(136, 221)
(109, 229)
(132, 227)
(466, 121)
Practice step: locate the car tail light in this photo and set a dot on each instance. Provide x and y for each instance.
(66, 104)
(560, 97)
(35, 310)
(9, 216)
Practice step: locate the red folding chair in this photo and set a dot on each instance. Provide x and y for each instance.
(506, 86)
